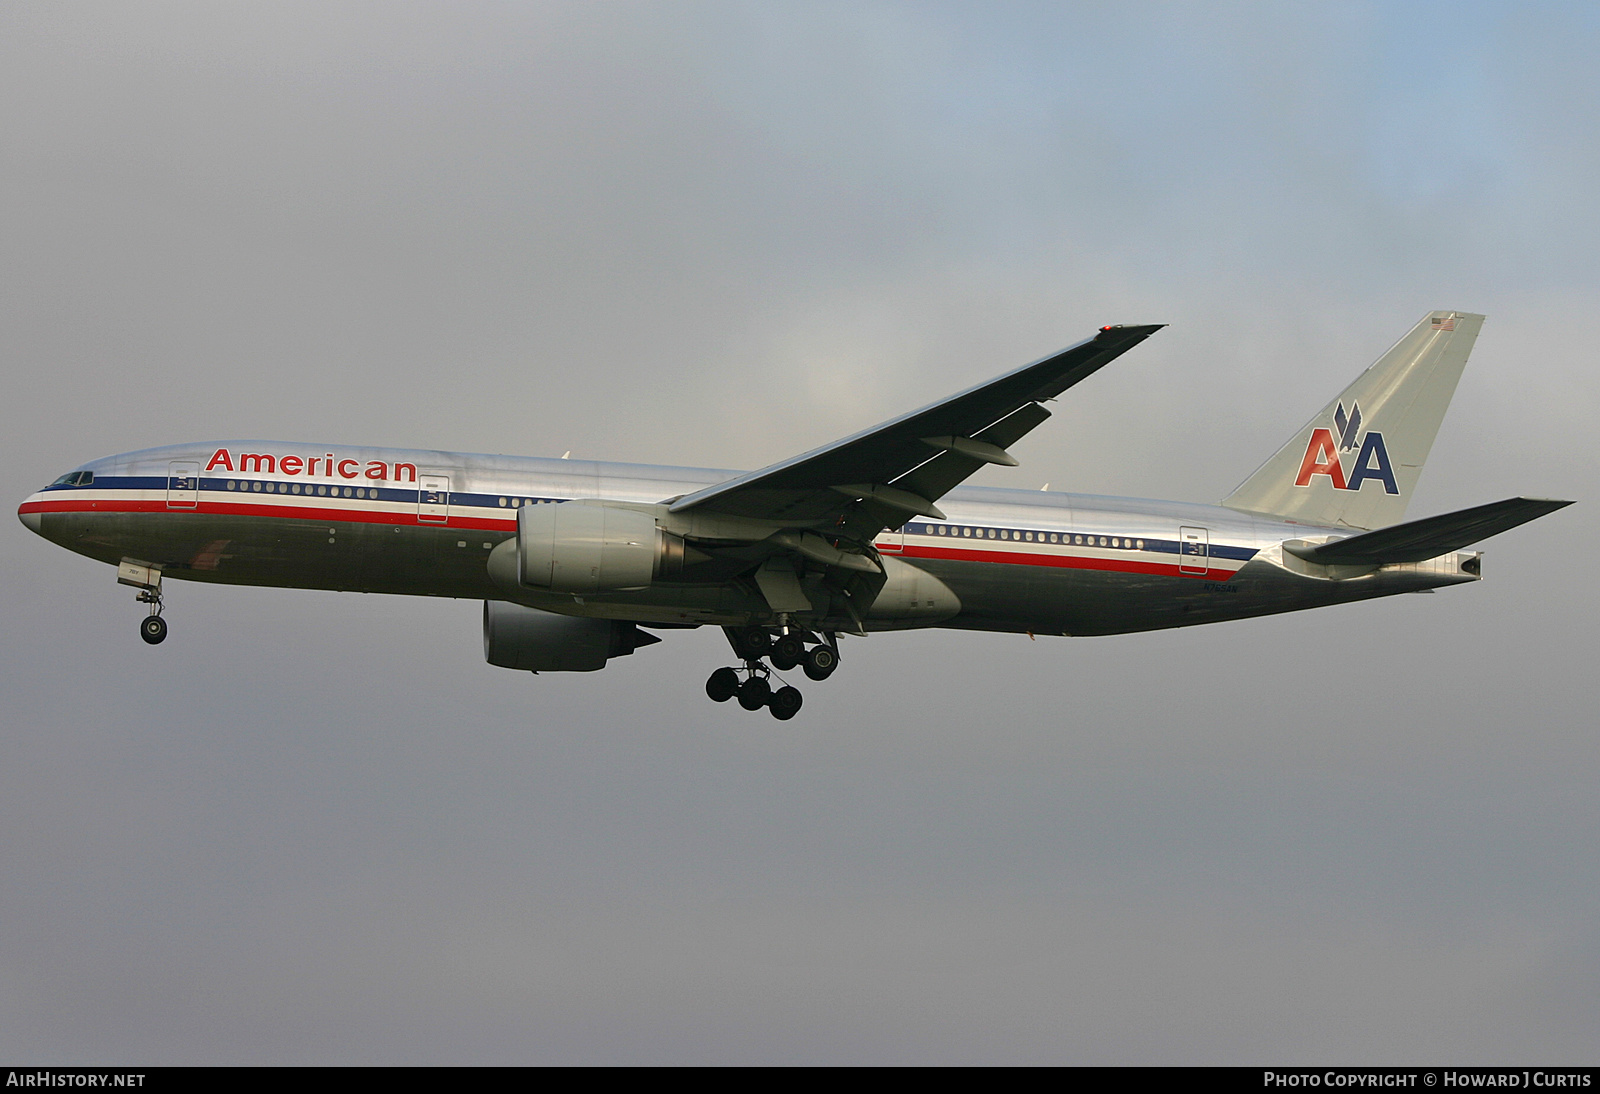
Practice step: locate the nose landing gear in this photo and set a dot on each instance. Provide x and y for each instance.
(147, 579)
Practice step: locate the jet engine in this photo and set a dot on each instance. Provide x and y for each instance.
(515, 637)
(593, 546)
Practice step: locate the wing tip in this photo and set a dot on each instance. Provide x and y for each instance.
(1142, 330)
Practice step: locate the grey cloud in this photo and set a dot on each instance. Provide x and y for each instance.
(317, 828)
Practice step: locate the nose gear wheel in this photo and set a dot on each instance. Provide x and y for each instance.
(152, 628)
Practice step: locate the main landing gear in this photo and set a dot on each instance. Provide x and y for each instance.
(787, 650)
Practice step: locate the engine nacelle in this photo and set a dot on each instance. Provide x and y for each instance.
(592, 546)
(515, 637)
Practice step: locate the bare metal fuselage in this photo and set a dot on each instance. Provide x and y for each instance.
(428, 523)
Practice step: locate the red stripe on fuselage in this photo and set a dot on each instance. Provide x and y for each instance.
(1064, 562)
(210, 507)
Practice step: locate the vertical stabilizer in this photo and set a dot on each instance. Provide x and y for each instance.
(1357, 462)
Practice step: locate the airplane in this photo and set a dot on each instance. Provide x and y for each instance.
(578, 562)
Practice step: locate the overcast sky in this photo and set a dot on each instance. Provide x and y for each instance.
(317, 828)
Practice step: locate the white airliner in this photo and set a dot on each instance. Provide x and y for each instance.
(578, 562)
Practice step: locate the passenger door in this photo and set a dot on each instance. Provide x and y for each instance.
(183, 485)
(433, 498)
(1194, 551)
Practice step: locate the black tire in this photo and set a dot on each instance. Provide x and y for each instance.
(821, 661)
(785, 703)
(153, 629)
(754, 643)
(754, 693)
(722, 684)
(787, 652)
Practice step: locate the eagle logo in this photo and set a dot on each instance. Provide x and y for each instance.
(1323, 454)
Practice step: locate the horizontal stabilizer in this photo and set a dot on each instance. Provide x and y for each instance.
(1419, 540)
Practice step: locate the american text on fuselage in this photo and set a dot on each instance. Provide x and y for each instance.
(578, 562)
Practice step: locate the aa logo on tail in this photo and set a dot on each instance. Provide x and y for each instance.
(1323, 454)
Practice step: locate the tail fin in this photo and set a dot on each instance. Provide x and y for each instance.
(1357, 462)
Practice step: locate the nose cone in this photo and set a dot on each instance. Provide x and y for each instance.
(31, 519)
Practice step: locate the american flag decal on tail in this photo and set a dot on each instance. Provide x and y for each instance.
(1448, 322)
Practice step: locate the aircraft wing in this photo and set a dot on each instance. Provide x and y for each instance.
(882, 476)
(1419, 540)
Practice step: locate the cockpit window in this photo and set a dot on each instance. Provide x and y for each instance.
(75, 478)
